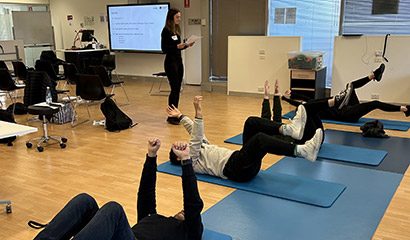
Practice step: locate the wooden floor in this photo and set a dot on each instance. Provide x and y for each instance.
(108, 165)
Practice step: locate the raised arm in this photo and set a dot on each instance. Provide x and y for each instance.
(146, 203)
(265, 104)
(193, 204)
(188, 124)
(197, 134)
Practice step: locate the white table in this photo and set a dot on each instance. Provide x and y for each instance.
(8, 129)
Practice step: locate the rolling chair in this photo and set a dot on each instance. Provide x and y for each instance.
(44, 112)
(107, 81)
(8, 85)
(89, 88)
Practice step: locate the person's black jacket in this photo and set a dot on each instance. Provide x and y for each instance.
(169, 42)
(154, 226)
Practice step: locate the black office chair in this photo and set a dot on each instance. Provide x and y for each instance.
(108, 61)
(8, 85)
(71, 74)
(50, 57)
(20, 70)
(107, 81)
(44, 112)
(49, 69)
(89, 88)
(3, 65)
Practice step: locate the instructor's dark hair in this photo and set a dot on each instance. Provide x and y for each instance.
(173, 158)
(169, 23)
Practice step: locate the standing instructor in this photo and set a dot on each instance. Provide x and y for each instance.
(171, 45)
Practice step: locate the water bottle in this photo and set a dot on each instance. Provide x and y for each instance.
(48, 96)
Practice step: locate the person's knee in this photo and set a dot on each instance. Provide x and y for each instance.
(251, 121)
(113, 208)
(85, 200)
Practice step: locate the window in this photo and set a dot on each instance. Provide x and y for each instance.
(376, 17)
(316, 21)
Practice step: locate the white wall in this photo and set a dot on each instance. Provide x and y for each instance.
(136, 64)
(354, 57)
(248, 70)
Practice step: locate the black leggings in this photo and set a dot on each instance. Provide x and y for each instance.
(175, 71)
(354, 110)
(245, 164)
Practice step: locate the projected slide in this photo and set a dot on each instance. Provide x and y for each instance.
(136, 27)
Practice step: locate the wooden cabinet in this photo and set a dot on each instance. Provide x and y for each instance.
(310, 83)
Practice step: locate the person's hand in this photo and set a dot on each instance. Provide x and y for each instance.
(197, 103)
(190, 44)
(153, 146)
(197, 106)
(181, 149)
(267, 90)
(276, 87)
(181, 45)
(288, 93)
(173, 112)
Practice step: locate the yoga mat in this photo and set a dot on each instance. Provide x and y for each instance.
(274, 184)
(398, 148)
(355, 215)
(339, 152)
(212, 235)
(388, 124)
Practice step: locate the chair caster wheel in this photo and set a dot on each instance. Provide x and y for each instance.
(9, 144)
(64, 140)
(8, 208)
(62, 145)
(40, 149)
(29, 145)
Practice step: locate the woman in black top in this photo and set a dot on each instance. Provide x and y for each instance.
(171, 45)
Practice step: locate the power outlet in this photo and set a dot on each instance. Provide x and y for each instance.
(261, 89)
(375, 96)
(378, 59)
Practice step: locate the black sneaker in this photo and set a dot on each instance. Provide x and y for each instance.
(378, 73)
(407, 113)
(342, 99)
(173, 121)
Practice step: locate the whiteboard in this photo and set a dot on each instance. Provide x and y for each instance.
(33, 27)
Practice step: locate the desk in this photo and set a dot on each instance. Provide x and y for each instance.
(84, 59)
(8, 129)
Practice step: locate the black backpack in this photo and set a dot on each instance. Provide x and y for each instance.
(373, 129)
(115, 119)
(7, 117)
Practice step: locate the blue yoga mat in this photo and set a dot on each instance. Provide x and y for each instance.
(212, 235)
(339, 152)
(291, 187)
(355, 215)
(396, 146)
(388, 124)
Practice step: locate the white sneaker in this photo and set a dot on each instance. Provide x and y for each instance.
(297, 124)
(311, 148)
